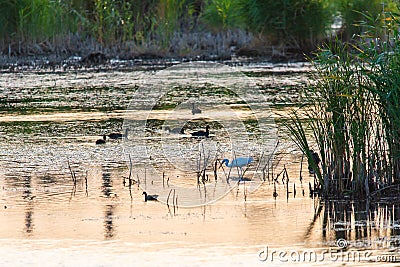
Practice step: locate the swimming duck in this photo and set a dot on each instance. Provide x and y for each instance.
(101, 141)
(119, 135)
(205, 133)
(149, 197)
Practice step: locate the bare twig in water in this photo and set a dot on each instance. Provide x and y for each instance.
(176, 202)
(267, 165)
(286, 174)
(275, 194)
(169, 194)
(72, 172)
(205, 163)
(73, 180)
(244, 190)
(279, 174)
(86, 184)
(145, 182)
(301, 168)
(130, 176)
(215, 169)
(130, 167)
(130, 187)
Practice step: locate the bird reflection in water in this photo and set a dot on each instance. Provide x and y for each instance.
(29, 218)
(107, 183)
(27, 195)
(109, 227)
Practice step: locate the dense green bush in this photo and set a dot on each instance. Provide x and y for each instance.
(294, 22)
(353, 13)
(223, 14)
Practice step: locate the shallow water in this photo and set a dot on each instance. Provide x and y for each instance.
(49, 123)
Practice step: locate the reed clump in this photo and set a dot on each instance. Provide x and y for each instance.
(352, 113)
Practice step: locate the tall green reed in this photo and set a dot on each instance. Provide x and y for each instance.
(383, 57)
(41, 19)
(299, 24)
(353, 12)
(169, 13)
(353, 114)
(225, 14)
(8, 18)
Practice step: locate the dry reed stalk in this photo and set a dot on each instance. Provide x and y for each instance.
(215, 169)
(86, 184)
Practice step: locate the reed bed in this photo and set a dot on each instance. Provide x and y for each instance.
(352, 115)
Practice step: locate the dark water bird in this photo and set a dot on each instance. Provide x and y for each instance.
(316, 159)
(119, 135)
(176, 130)
(195, 110)
(149, 197)
(205, 133)
(101, 141)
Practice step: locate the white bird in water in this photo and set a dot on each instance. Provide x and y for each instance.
(238, 162)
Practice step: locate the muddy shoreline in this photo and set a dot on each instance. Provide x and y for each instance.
(52, 63)
(72, 52)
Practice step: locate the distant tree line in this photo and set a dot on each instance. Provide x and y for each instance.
(296, 23)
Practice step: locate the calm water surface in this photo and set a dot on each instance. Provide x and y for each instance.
(49, 123)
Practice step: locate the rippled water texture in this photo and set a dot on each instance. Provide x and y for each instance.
(65, 201)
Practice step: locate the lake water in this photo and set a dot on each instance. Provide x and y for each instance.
(50, 120)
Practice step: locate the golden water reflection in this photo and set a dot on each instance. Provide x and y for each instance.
(102, 220)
